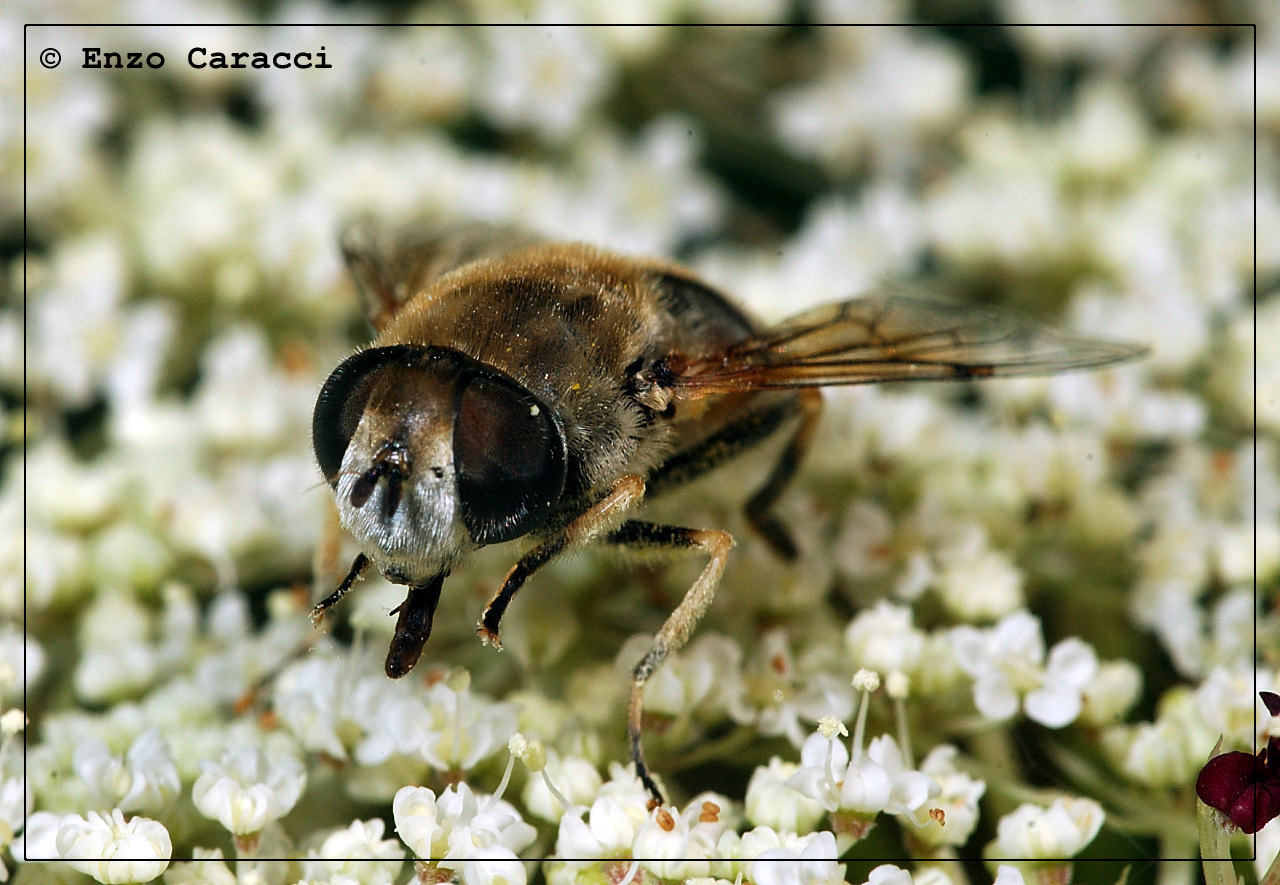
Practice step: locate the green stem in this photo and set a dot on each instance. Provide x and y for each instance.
(904, 742)
(1215, 848)
(859, 727)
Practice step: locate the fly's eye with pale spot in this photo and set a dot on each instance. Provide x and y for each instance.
(508, 456)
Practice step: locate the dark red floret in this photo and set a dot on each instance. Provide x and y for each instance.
(1245, 788)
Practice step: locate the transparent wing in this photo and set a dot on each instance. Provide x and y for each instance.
(392, 263)
(890, 338)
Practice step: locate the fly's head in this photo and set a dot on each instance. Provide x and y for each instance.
(432, 454)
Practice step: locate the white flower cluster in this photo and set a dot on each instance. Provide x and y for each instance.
(91, 845)
(619, 832)
(883, 88)
(480, 836)
(1009, 658)
(391, 730)
(1046, 554)
(245, 792)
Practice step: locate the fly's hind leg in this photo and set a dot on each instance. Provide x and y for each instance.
(679, 624)
(759, 507)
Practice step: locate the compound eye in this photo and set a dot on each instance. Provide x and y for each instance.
(508, 456)
(342, 400)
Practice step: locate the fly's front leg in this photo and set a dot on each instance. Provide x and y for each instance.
(590, 525)
(679, 624)
(357, 569)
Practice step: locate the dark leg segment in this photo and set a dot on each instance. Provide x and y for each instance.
(765, 523)
(747, 428)
(357, 569)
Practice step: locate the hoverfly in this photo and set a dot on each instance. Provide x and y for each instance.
(519, 388)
